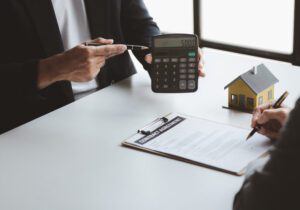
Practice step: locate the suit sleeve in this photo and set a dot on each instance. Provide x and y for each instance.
(18, 69)
(18, 80)
(138, 26)
(18, 76)
(277, 185)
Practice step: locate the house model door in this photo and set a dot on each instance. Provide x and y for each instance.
(242, 101)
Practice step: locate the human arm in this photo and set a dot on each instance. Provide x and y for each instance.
(270, 121)
(276, 185)
(80, 64)
(25, 84)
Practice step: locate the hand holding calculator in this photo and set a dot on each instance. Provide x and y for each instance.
(175, 63)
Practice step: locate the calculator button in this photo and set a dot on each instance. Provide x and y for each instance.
(174, 80)
(165, 80)
(182, 84)
(166, 60)
(166, 73)
(192, 59)
(166, 66)
(182, 76)
(174, 72)
(182, 71)
(191, 76)
(157, 86)
(174, 66)
(157, 60)
(183, 60)
(165, 86)
(182, 65)
(191, 84)
(192, 54)
(192, 65)
(174, 60)
(191, 71)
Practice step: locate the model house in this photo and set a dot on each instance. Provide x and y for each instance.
(251, 89)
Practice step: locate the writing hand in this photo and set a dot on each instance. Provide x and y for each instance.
(269, 121)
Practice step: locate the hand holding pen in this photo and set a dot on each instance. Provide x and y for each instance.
(148, 57)
(268, 119)
(129, 46)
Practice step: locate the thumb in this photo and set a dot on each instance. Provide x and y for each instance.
(148, 58)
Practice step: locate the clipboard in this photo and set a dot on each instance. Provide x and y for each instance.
(161, 130)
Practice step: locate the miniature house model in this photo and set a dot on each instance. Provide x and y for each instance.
(251, 89)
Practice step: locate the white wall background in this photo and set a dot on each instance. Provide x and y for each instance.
(172, 16)
(260, 24)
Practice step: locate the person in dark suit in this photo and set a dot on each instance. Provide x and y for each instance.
(274, 184)
(43, 63)
(41, 52)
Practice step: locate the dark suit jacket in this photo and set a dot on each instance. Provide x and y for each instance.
(29, 32)
(277, 185)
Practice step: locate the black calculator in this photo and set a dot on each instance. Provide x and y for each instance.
(175, 63)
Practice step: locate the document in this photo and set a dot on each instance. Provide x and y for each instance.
(201, 142)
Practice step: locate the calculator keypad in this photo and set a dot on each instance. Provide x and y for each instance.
(175, 74)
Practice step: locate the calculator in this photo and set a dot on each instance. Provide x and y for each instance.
(175, 63)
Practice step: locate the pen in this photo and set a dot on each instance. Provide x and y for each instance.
(129, 46)
(276, 105)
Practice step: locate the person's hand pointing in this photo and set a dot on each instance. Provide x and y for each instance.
(80, 64)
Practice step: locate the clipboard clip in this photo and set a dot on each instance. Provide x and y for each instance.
(148, 132)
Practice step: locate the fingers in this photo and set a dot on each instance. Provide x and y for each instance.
(101, 40)
(201, 72)
(257, 113)
(109, 50)
(148, 58)
(269, 134)
(272, 114)
(201, 63)
(265, 106)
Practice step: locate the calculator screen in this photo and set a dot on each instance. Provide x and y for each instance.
(175, 42)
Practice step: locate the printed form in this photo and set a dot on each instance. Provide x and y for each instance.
(202, 141)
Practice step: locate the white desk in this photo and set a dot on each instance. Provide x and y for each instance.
(72, 159)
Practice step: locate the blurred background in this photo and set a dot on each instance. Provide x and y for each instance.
(258, 24)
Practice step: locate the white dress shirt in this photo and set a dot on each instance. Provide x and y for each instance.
(73, 25)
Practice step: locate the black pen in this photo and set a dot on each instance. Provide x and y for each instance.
(129, 46)
(276, 105)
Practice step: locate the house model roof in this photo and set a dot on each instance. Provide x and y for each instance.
(258, 79)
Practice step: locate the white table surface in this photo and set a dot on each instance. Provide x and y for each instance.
(72, 159)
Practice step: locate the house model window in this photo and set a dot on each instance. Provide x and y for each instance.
(260, 100)
(270, 95)
(251, 89)
(234, 99)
